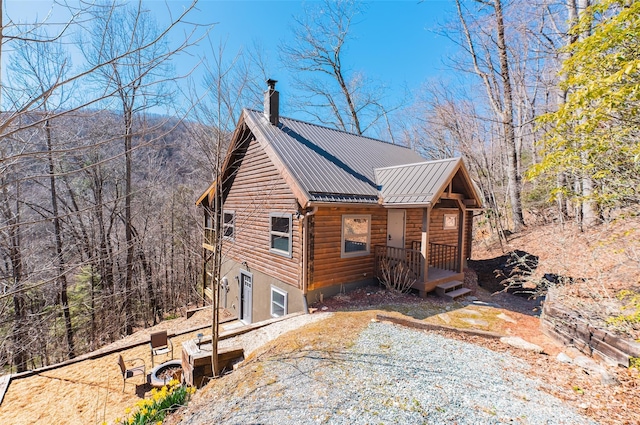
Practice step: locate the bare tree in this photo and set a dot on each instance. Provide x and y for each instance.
(482, 48)
(332, 94)
(230, 85)
(138, 81)
(37, 67)
(63, 186)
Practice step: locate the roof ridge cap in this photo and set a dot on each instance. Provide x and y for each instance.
(333, 129)
(420, 163)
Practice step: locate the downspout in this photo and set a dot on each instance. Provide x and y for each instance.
(305, 255)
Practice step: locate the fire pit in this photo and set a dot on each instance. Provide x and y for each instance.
(162, 374)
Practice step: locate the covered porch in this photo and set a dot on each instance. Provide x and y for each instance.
(429, 224)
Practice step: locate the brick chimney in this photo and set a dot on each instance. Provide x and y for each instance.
(272, 103)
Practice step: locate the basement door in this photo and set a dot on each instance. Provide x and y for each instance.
(246, 296)
(395, 228)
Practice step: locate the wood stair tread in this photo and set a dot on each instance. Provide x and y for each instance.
(457, 293)
(449, 285)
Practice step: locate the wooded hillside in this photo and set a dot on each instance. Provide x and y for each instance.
(70, 268)
(98, 229)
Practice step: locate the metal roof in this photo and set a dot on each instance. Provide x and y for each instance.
(322, 164)
(415, 183)
(330, 165)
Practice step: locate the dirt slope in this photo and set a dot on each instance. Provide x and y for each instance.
(587, 269)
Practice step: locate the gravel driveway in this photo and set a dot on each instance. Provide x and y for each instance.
(390, 375)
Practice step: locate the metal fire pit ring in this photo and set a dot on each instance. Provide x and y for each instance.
(155, 380)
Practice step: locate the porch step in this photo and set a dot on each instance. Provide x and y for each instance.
(461, 292)
(452, 289)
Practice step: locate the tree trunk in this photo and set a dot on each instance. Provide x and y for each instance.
(62, 277)
(561, 97)
(20, 327)
(128, 280)
(515, 179)
(590, 214)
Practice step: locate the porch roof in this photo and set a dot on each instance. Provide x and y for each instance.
(416, 184)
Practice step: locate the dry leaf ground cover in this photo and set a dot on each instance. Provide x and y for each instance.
(89, 392)
(598, 262)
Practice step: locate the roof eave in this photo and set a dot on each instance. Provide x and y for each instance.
(206, 193)
(407, 205)
(341, 204)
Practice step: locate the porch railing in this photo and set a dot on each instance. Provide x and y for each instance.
(390, 256)
(443, 256)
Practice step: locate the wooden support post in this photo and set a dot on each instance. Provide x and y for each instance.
(460, 240)
(424, 244)
(461, 235)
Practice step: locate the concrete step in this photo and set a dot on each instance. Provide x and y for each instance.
(443, 288)
(461, 292)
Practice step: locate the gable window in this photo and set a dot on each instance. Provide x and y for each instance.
(356, 235)
(229, 225)
(280, 233)
(278, 302)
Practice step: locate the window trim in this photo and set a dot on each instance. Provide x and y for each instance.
(344, 254)
(225, 226)
(289, 253)
(286, 301)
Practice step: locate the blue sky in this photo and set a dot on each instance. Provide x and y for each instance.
(392, 42)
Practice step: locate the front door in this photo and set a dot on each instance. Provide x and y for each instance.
(395, 228)
(246, 293)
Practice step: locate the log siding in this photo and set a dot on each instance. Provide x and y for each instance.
(326, 266)
(258, 191)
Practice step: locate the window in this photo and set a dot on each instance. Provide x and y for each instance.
(280, 233)
(278, 302)
(229, 224)
(450, 221)
(356, 231)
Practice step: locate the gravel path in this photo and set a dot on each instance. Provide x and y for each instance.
(391, 375)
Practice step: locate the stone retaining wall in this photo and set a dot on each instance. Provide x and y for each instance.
(568, 327)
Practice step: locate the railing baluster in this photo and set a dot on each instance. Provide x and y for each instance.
(443, 256)
(412, 259)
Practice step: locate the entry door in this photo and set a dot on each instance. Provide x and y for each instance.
(246, 295)
(395, 228)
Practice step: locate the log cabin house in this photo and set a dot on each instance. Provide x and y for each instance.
(309, 211)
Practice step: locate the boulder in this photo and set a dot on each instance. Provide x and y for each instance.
(520, 343)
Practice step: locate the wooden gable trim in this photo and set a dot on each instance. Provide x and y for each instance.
(472, 189)
(452, 195)
(301, 195)
(445, 192)
(210, 190)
